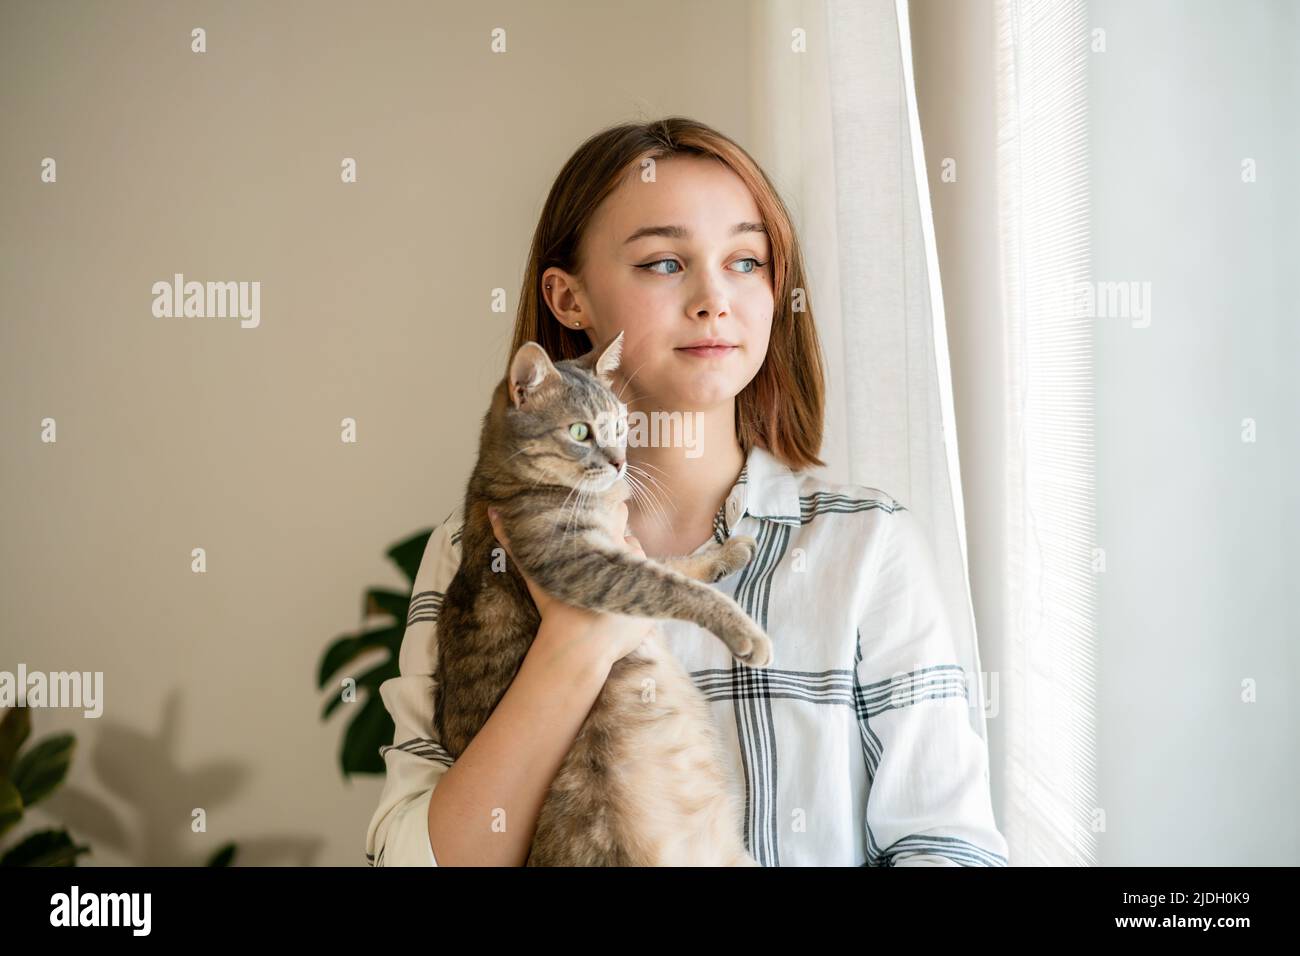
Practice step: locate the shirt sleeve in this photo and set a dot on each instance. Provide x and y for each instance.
(928, 802)
(398, 834)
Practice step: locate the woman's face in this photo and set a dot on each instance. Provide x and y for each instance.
(669, 263)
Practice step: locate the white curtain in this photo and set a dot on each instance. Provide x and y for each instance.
(835, 125)
(1048, 718)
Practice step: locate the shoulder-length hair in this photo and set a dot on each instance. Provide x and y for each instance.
(782, 409)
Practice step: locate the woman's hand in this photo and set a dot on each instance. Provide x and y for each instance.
(612, 636)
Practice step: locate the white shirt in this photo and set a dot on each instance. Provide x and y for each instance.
(852, 748)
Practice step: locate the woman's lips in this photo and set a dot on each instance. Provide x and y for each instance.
(710, 351)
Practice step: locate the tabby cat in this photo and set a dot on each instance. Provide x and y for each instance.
(643, 784)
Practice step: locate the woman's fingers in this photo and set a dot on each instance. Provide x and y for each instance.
(621, 529)
(499, 530)
(634, 545)
(618, 521)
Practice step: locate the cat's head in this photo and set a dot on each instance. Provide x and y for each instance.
(567, 425)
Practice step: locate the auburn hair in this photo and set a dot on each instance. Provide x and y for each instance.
(782, 409)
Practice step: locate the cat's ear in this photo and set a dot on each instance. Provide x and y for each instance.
(609, 358)
(530, 367)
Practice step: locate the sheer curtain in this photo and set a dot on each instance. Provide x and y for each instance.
(835, 125)
(1049, 728)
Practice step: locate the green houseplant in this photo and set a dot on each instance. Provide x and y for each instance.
(27, 778)
(370, 727)
(30, 777)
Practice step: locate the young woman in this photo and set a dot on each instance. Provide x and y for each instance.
(855, 746)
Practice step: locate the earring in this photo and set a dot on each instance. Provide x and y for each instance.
(575, 324)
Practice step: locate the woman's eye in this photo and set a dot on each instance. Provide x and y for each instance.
(650, 266)
(578, 430)
(677, 267)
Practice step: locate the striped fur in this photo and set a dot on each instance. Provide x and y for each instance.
(644, 783)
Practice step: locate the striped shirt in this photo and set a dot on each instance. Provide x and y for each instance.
(852, 748)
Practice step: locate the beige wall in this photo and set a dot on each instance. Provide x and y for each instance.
(182, 433)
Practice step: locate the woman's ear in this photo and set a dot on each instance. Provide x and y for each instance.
(529, 371)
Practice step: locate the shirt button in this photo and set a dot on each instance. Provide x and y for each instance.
(733, 511)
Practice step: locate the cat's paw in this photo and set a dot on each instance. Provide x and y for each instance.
(755, 650)
(732, 555)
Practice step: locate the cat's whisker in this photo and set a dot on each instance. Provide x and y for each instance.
(513, 453)
(540, 478)
(654, 487)
(572, 512)
(572, 491)
(584, 498)
(649, 509)
(646, 495)
(634, 489)
(640, 468)
(634, 398)
(580, 488)
(646, 464)
(651, 479)
(651, 485)
(628, 381)
(637, 491)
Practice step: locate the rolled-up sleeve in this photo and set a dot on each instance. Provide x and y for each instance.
(928, 802)
(398, 834)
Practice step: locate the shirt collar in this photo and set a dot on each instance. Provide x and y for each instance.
(767, 489)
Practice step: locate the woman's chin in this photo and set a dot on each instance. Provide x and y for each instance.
(699, 390)
(702, 395)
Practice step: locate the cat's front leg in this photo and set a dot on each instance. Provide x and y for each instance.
(591, 575)
(716, 562)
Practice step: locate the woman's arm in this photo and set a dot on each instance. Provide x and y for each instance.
(929, 801)
(484, 811)
(482, 807)
(416, 760)
(485, 808)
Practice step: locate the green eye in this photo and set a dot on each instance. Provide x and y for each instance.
(578, 430)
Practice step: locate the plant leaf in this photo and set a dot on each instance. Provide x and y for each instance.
(14, 728)
(407, 554)
(45, 848)
(392, 603)
(370, 680)
(42, 767)
(11, 804)
(348, 648)
(370, 729)
(224, 856)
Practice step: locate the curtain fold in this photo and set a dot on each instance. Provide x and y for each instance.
(1049, 722)
(835, 125)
